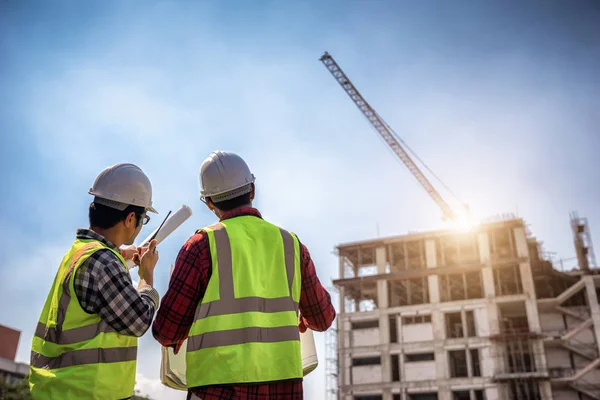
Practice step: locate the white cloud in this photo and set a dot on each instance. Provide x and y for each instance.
(154, 389)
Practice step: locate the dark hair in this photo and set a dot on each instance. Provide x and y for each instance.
(105, 217)
(236, 202)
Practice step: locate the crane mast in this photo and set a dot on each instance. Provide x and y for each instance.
(386, 133)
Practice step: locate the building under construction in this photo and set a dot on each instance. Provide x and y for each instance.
(465, 316)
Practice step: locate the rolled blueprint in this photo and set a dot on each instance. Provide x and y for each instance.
(172, 223)
(309, 352)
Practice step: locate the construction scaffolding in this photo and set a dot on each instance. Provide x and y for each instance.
(331, 367)
(471, 315)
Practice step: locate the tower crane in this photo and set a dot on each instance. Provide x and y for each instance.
(388, 135)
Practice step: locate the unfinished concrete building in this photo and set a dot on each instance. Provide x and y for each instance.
(465, 316)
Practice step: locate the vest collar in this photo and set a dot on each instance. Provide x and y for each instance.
(242, 211)
(90, 234)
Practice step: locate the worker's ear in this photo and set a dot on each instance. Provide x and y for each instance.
(210, 204)
(131, 220)
(252, 192)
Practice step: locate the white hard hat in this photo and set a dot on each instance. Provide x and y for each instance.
(121, 185)
(223, 176)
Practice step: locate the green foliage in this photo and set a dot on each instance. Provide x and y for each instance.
(20, 391)
(139, 396)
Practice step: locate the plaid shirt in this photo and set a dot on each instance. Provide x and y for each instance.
(103, 286)
(186, 289)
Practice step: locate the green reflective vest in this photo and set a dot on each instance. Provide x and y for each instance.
(245, 328)
(76, 355)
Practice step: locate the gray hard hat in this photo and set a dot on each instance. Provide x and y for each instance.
(121, 185)
(224, 175)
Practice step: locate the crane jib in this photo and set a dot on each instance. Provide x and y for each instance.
(386, 133)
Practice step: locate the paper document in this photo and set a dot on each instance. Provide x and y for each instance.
(170, 224)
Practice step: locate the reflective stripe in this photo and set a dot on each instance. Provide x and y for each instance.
(244, 335)
(57, 335)
(290, 251)
(65, 297)
(227, 303)
(245, 304)
(71, 336)
(82, 357)
(225, 264)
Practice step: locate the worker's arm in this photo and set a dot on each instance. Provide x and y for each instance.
(104, 287)
(186, 289)
(317, 312)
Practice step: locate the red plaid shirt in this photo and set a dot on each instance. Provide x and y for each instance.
(186, 290)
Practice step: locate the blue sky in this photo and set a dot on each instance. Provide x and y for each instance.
(499, 98)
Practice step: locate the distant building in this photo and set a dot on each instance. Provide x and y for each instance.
(10, 371)
(479, 315)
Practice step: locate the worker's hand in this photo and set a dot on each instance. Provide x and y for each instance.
(302, 324)
(128, 252)
(148, 257)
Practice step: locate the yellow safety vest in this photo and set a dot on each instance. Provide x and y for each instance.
(76, 355)
(246, 326)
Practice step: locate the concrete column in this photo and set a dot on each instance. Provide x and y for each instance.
(342, 300)
(487, 362)
(430, 254)
(469, 362)
(546, 390)
(345, 354)
(590, 288)
(432, 280)
(485, 259)
(402, 374)
(527, 280)
(441, 363)
(348, 370)
(492, 394)
(531, 303)
(381, 260)
(382, 287)
(384, 322)
(489, 289)
(491, 363)
(444, 392)
(533, 316)
(399, 329)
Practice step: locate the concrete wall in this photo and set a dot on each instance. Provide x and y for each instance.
(487, 361)
(592, 377)
(565, 395)
(365, 337)
(417, 333)
(585, 337)
(551, 321)
(419, 371)
(482, 325)
(366, 374)
(557, 357)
